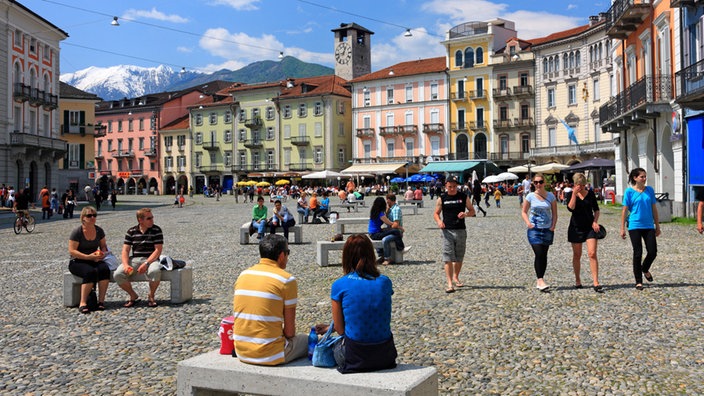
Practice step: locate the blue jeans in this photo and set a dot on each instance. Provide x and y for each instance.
(387, 236)
(303, 211)
(260, 226)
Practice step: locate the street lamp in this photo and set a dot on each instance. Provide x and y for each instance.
(338, 182)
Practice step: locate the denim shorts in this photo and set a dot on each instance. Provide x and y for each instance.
(540, 236)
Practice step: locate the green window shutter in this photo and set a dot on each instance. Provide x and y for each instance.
(66, 157)
(66, 121)
(82, 156)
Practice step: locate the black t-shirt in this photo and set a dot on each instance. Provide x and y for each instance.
(22, 201)
(699, 193)
(86, 246)
(583, 212)
(451, 207)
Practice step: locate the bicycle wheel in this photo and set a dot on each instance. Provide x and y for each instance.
(18, 225)
(30, 224)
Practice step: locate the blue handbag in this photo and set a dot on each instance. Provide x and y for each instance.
(323, 355)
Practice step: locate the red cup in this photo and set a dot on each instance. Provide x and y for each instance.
(227, 342)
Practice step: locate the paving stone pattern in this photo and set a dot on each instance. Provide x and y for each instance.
(497, 335)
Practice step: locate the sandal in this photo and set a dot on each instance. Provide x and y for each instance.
(152, 303)
(648, 276)
(131, 303)
(84, 309)
(101, 306)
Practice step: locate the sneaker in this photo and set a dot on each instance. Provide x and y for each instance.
(407, 249)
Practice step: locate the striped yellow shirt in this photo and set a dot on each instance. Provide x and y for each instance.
(262, 292)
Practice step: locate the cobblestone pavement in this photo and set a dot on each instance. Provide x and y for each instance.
(497, 335)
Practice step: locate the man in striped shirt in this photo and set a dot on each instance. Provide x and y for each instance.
(265, 308)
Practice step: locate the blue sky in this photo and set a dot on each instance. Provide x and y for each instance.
(208, 35)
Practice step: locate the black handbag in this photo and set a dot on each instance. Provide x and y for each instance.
(602, 232)
(364, 357)
(92, 301)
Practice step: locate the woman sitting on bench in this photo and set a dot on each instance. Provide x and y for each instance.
(87, 248)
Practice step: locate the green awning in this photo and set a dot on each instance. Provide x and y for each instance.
(461, 166)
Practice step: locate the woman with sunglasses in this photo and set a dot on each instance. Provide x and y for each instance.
(87, 248)
(583, 228)
(643, 224)
(540, 215)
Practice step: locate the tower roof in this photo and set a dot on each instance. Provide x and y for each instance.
(348, 26)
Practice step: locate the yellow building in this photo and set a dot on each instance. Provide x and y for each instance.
(78, 129)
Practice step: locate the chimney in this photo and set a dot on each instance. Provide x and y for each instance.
(602, 16)
(593, 20)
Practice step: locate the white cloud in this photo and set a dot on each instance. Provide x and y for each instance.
(220, 42)
(229, 65)
(530, 24)
(571, 6)
(401, 49)
(153, 14)
(242, 5)
(185, 50)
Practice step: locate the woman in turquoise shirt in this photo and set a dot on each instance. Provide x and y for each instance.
(643, 224)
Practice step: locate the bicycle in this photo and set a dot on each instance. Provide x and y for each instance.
(26, 221)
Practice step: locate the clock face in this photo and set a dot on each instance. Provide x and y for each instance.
(343, 53)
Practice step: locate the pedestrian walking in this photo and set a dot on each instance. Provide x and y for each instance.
(584, 227)
(477, 196)
(540, 215)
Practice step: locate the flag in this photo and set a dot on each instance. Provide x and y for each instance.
(570, 132)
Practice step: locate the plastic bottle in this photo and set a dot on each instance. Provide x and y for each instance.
(312, 342)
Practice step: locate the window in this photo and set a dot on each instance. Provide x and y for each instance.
(242, 116)
(168, 142)
(367, 149)
(227, 118)
(109, 123)
(318, 155)
(480, 117)
(389, 95)
(287, 111)
(390, 119)
(243, 158)
(434, 145)
(367, 98)
(255, 113)
(198, 161)
(287, 131)
(409, 94)
(503, 145)
(168, 163)
(409, 118)
(270, 160)
(597, 131)
(199, 119)
(141, 124)
(318, 109)
(480, 55)
(502, 83)
(433, 91)
(199, 138)
(595, 90)
(110, 145)
(551, 97)
(74, 156)
(33, 45)
(119, 126)
(119, 145)
(141, 164)
(269, 113)
(141, 143)
(525, 144)
(130, 125)
(390, 147)
(479, 85)
(341, 129)
(109, 164)
(242, 135)
(572, 94)
(409, 148)
(469, 57)
(318, 129)
(458, 59)
(181, 161)
(524, 79)
(270, 133)
(552, 141)
(287, 156)
(512, 50)
(74, 117)
(302, 110)
(302, 130)
(525, 112)
(503, 113)
(213, 118)
(341, 156)
(181, 141)
(18, 38)
(228, 136)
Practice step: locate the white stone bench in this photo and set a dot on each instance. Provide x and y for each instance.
(341, 223)
(214, 374)
(324, 247)
(409, 208)
(347, 206)
(181, 285)
(296, 230)
(418, 202)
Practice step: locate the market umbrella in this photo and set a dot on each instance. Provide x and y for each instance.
(507, 176)
(241, 183)
(252, 183)
(263, 184)
(326, 174)
(417, 178)
(491, 179)
(427, 179)
(397, 180)
(594, 163)
(282, 182)
(520, 169)
(549, 169)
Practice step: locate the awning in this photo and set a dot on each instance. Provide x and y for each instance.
(376, 168)
(460, 166)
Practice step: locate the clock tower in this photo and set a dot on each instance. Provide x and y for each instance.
(352, 51)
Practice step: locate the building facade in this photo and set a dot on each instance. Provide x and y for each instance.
(574, 75)
(30, 144)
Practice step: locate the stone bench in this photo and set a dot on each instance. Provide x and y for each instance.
(324, 247)
(215, 374)
(347, 206)
(341, 223)
(296, 230)
(418, 202)
(181, 285)
(409, 208)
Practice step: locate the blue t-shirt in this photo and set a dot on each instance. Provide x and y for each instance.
(324, 203)
(375, 224)
(540, 214)
(366, 306)
(641, 207)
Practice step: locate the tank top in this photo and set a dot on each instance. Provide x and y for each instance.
(451, 207)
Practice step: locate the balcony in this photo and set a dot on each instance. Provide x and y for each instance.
(432, 129)
(100, 130)
(150, 152)
(502, 93)
(99, 155)
(408, 130)
(213, 145)
(458, 126)
(300, 140)
(511, 156)
(181, 147)
(624, 16)
(123, 154)
(211, 168)
(523, 122)
(168, 169)
(523, 90)
(502, 124)
(606, 146)
(49, 101)
(21, 92)
(388, 131)
(253, 143)
(642, 100)
(36, 97)
(167, 148)
(458, 96)
(683, 3)
(477, 126)
(26, 142)
(476, 94)
(254, 122)
(182, 169)
(468, 156)
(690, 84)
(365, 132)
(299, 166)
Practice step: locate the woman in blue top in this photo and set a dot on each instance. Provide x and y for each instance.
(377, 218)
(643, 224)
(361, 310)
(540, 215)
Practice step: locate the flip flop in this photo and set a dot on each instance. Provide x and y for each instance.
(84, 309)
(450, 290)
(459, 284)
(131, 303)
(151, 303)
(101, 306)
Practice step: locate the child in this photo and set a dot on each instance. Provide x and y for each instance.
(497, 197)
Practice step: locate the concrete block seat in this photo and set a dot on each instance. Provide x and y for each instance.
(418, 202)
(181, 285)
(348, 206)
(342, 222)
(215, 374)
(296, 230)
(324, 247)
(409, 208)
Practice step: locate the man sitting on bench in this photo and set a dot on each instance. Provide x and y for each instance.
(265, 309)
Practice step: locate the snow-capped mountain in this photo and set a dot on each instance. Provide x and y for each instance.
(121, 81)
(125, 81)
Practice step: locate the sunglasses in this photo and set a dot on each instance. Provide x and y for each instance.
(149, 218)
(92, 215)
(538, 181)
